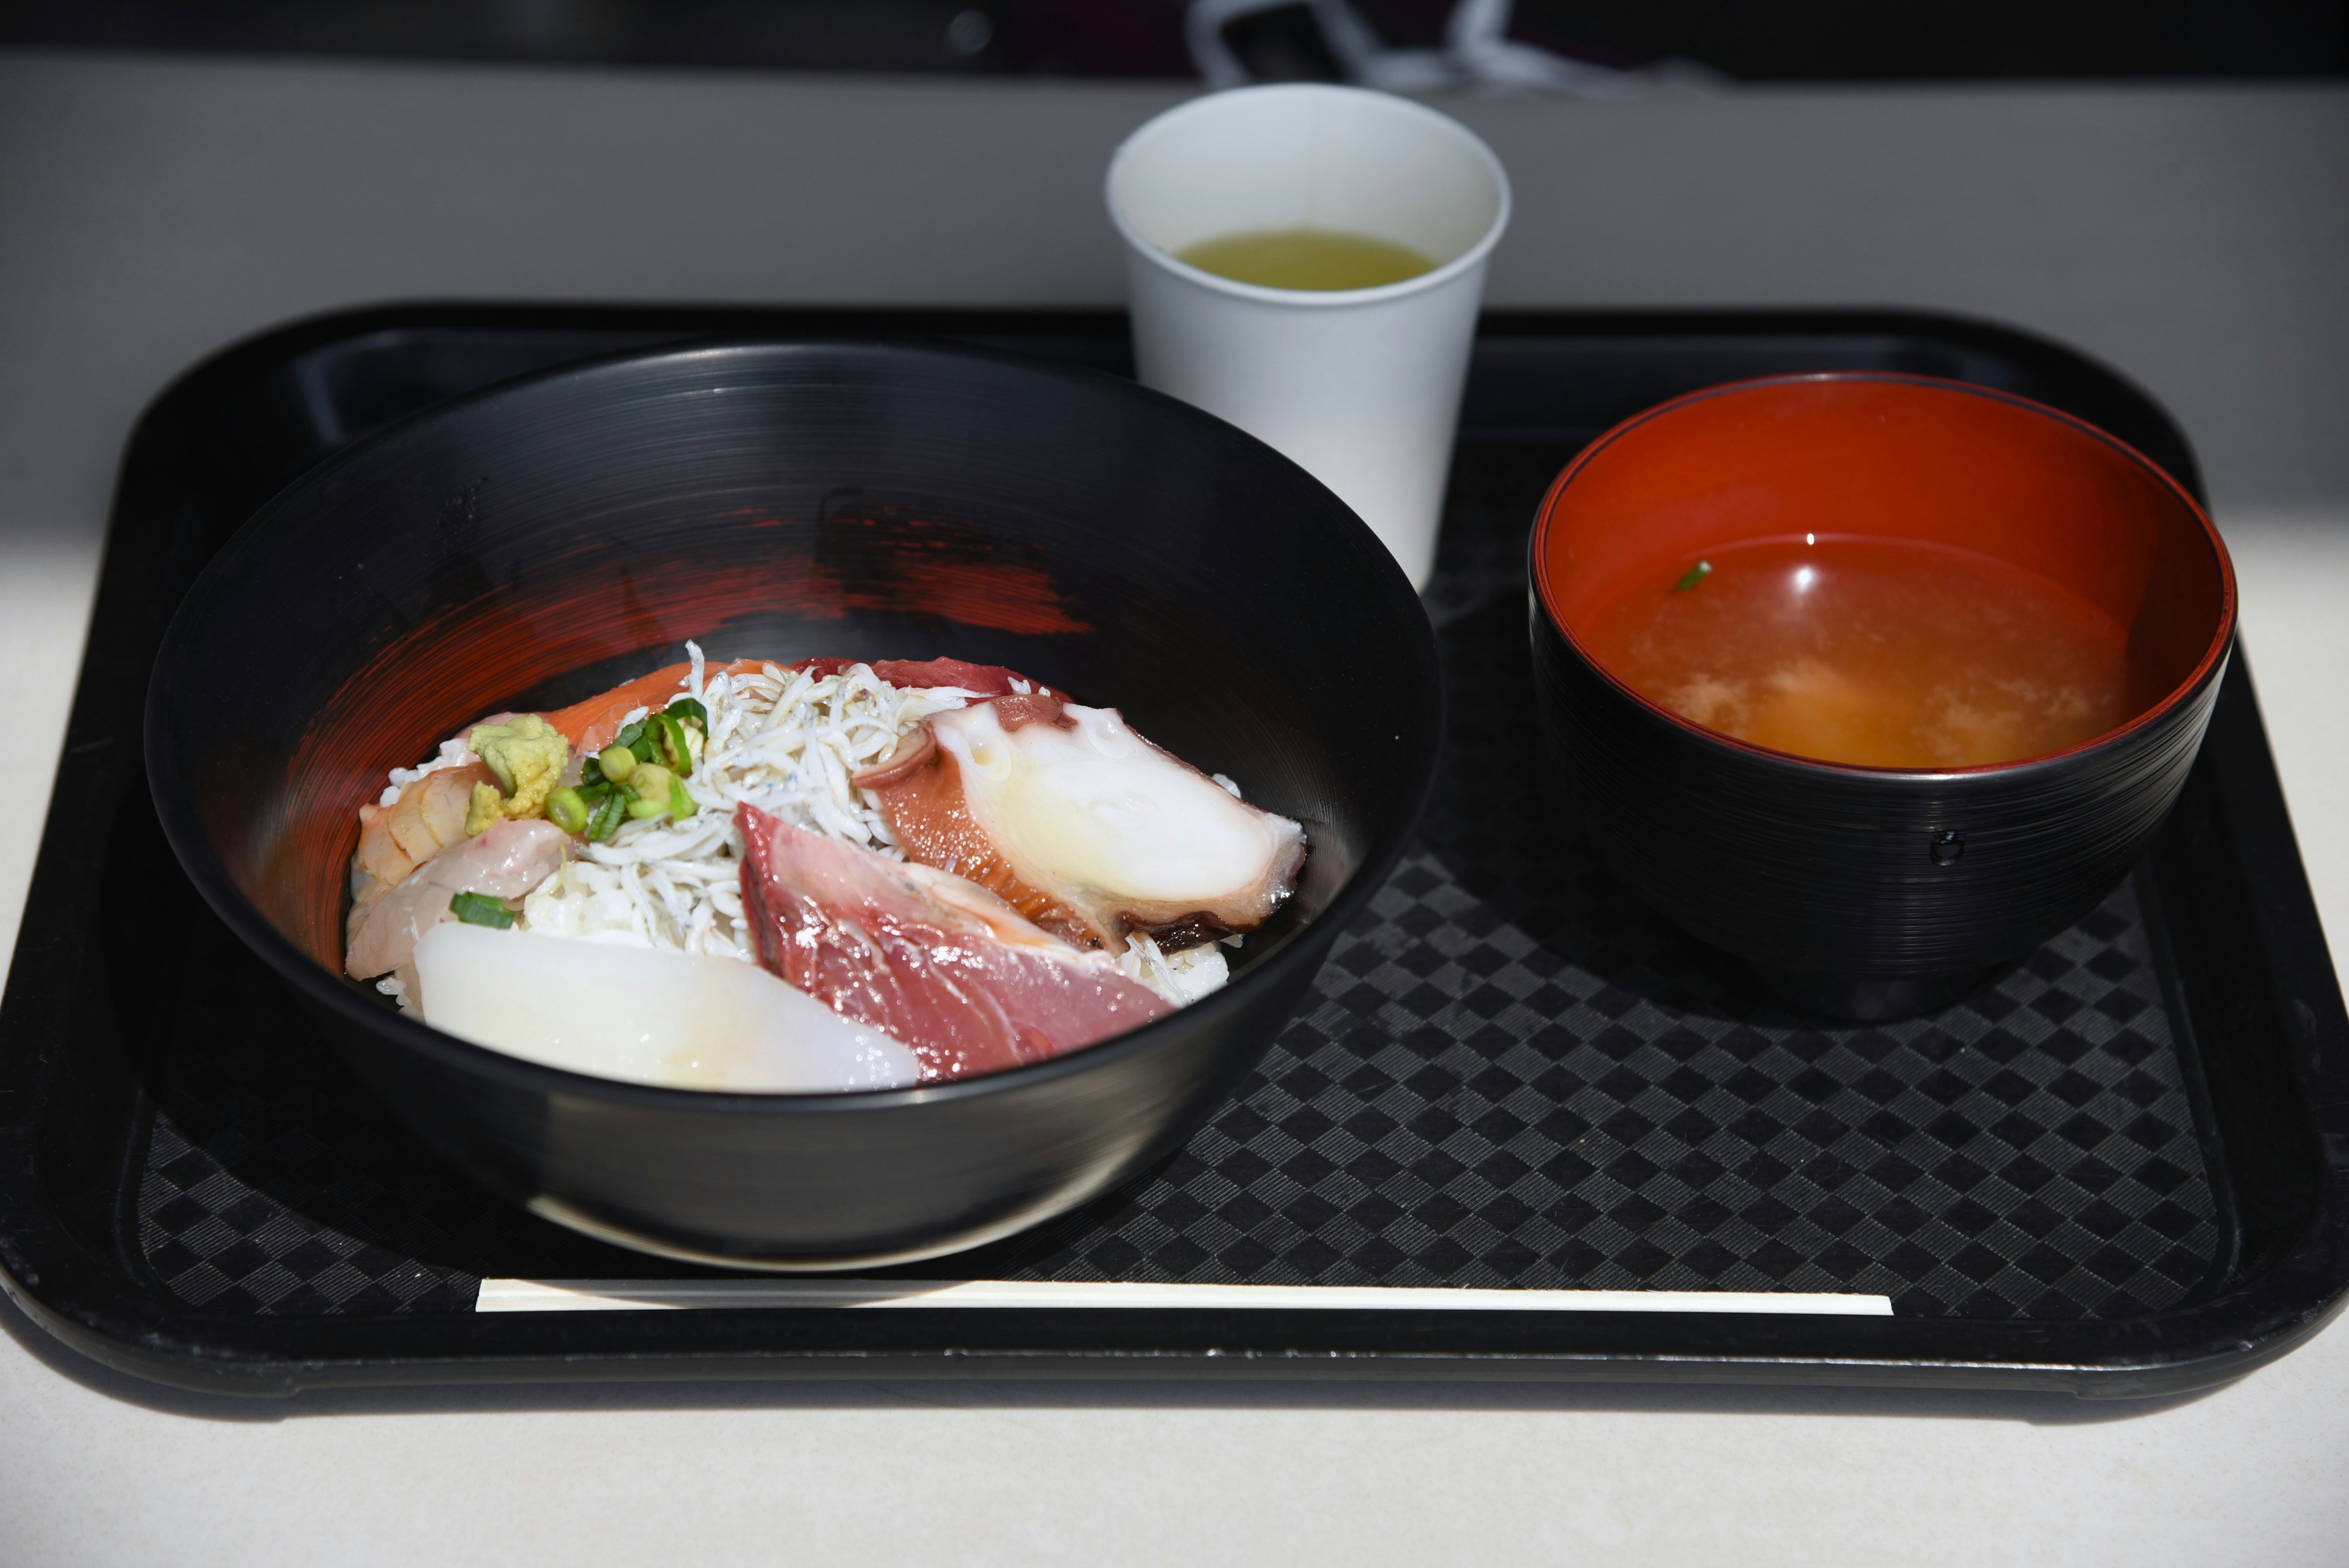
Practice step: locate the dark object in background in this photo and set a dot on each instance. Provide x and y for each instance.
(1855, 40)
(1060, 38)
(529, 547)
(1827, 40)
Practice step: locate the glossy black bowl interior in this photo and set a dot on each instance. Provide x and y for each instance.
(538, 542)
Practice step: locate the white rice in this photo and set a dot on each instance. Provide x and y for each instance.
(787, 742)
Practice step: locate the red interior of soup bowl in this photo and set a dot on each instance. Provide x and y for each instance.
(1894, 458)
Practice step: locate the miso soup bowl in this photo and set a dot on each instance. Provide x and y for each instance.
(541, 542)
(1871, 891)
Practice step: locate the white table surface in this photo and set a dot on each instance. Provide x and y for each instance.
(2198, 239)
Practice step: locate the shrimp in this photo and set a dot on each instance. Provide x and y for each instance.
(395, 839)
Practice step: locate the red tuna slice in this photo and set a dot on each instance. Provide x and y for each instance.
(986, 680)
(929, 959)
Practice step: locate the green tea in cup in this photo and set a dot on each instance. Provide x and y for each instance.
(1307, 258)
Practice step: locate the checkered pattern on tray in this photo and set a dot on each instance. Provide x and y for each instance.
(274, 1184)
(1510, 1074)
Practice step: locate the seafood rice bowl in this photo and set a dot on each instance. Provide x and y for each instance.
(942, 867)
(836, 946)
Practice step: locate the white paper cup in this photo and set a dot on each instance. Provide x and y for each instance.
(1360, 387)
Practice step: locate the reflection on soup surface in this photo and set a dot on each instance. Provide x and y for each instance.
(1882, 653)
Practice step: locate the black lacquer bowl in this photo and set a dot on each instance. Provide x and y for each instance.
(1869, 891)
(540, 542)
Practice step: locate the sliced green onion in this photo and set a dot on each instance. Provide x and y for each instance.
(609, 813)
(680, 804)
(616, 762)
(650, 785)
(690, 710)
(1696, 574)
(637, 741)
(670, 746)
(591, 773)
(481, 910)
(567, 809)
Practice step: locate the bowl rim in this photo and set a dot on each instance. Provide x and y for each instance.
(335, 991)
(2214, 656)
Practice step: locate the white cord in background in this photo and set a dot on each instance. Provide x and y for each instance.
(1477, 52)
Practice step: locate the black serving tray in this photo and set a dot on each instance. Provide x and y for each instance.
(2118, 1170)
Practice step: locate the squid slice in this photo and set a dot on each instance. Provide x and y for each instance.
(1067, 815)
(924, 957)
(645, 1015)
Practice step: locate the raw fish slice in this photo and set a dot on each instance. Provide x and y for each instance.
(505, 862)
(647, 1014)
(1082, 826)
(930, 958)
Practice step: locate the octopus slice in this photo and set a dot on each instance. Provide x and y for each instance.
(920, 789)
(927, 958)
(1083, 826)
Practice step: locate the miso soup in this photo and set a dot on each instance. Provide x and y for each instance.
(1881, 653)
